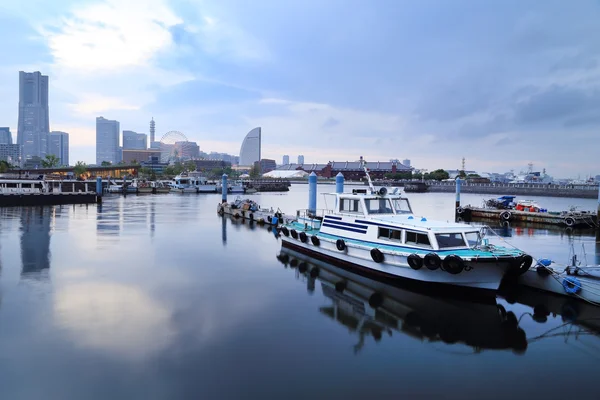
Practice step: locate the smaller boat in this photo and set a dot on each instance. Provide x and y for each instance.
(143, 186)
(574, 280)
(184, 184)
(159, 187)
(250, 210)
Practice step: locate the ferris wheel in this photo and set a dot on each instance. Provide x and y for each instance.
(174, 147)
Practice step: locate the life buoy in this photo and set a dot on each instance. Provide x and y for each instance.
(569, 221)
(303, 237)
(571, 285)
(315, 240)
(460, 210)
(340, 244)
(506, 215)
(432, 261)
(453, 264)
(377, 255)
(285, 231)
(414, 261)
(294, 234)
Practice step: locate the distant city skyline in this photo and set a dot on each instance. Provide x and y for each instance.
(498, 83)
(107, 141)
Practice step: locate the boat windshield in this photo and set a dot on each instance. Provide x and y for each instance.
(402, 206)
(446, 240)
(473, 238)
(379, 206)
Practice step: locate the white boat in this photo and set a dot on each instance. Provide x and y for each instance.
(378, 233)
(250, 210)
(232, 187)
(184, 184)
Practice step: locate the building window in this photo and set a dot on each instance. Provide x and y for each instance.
(417, 238)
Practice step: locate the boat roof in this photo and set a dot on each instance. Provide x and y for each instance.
(422, 223)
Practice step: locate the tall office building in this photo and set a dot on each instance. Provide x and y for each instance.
(11, 153)
(301, 159)
(250, 150)
(134, 141)
(406, 162)
(5, 136)
(34, 125)
(107, 141)
(58, 144)
(286, 160)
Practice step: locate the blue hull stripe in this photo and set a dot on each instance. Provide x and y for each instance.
(332, 217)
(348, 224)
(343, 228)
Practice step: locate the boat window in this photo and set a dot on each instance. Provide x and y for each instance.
(379, 206)
(417, 238)
(393, 234)
(472, 238)
(351, 205)
(446, 240)
(402, 206)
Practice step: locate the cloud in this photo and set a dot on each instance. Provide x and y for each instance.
(110, 34)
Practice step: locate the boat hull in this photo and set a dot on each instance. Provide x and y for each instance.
(554, 283)
(483, 275)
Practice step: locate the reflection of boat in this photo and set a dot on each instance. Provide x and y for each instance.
(371, 307)
(379, 232)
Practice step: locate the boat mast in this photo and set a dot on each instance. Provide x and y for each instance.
(364, 165)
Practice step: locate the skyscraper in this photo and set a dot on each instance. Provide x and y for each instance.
(134, 141)
(34, 125)
(58, 144)
(107, 141)
(5, 136)
(250, 150)
(286, 159)
(301, 159)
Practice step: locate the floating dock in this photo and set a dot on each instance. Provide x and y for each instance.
(569, 219)
(43, 199)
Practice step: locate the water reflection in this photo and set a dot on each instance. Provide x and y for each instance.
(108, 222)
(368, 307)
(35, 241)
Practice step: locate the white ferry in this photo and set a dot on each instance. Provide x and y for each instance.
(378, 233)
(184, 184)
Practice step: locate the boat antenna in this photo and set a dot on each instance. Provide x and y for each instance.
(363, 163)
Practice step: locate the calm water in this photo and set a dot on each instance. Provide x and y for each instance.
(157, 297)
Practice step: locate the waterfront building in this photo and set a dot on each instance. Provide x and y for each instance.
(153, 163)
(406, 162)
(208, 165)
(286, 159)
(301, 159)
(187, 150)
(33, 126)
(107, 141)
(250, 150)
(58, 145)
(267, 165)
(5, 136)
(134, 141)
(11, 153)
(132, 156)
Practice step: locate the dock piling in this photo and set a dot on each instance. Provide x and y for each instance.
(457, 194)
(339, 184)
(598, 213)
(312, 193)
(99, 189)
(224, 189)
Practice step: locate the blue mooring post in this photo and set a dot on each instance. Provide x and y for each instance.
(99, 189)
(224, 189)
(457, 194)
(312, 193)
(598, 215)
(339, 183)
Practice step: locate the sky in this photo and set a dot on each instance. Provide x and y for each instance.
(500, 83)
